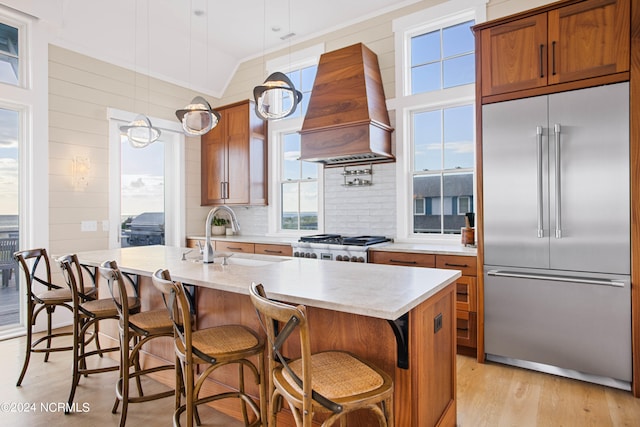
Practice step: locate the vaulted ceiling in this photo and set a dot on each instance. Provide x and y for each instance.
(193, 43)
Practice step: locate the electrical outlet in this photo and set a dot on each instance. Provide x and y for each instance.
(437, 323)
(89, 226)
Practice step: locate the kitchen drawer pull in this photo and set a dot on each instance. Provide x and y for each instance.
(402, 261)
(570, 279)
(271, 251)
(450, 264)
(231, 248)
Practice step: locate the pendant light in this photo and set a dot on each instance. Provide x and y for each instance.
(277, 97)
(197, 117)
(140, 132)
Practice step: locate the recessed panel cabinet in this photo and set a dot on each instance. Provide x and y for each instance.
(233, 158)
(579, 41)
(466, 288)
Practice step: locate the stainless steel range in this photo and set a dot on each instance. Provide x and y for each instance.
(334, 247)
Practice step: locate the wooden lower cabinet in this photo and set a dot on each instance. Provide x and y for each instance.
(244, 247)
(466, 288)
(270, 249)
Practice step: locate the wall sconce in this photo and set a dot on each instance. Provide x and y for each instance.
(80, 170)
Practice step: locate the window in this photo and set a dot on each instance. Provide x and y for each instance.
(443, 157)
(10, 136)
(435, 63)
(9, 55)
(295, 185)
(303, 80)
(442, 58)
(298, 187)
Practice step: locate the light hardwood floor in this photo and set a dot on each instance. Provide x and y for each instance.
(489, 395)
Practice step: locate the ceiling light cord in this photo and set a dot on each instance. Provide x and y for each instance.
(140, 132)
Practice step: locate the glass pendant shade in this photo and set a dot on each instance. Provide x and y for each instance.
(140, 132)
(198, 118)
(277, 98)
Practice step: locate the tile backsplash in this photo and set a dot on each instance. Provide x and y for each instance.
(366, 210)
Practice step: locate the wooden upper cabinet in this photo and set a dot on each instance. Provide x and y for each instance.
(513, 56)
(233, 158)
(589, 39)
(554, 44)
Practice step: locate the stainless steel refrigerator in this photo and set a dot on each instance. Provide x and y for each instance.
(557, 233)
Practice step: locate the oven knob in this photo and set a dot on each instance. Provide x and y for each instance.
(339, 258)
(345, 258)
(314, 255)
(296, 254)
(307, 255)
(360, 259)
(354, 259)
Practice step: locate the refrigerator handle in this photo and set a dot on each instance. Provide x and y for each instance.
(539, 195)
(557, 278)
(556, 129)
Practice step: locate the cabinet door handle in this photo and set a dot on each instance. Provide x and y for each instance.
(222, 190)
(226, 189)
(553, 58)
(541, 61)
(402, 262)
(449, 264)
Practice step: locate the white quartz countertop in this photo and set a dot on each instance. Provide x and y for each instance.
(375, 290)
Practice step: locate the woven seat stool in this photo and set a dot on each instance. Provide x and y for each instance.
(87, 314)
(215, 347)
(135, 330)
(333, 383)
(47, 300)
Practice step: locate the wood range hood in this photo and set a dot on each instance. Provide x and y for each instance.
(347, 120)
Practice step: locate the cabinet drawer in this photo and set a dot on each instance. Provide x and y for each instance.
(466, 326)
(193, 243)
(267, 249)
(403, 258)
(247, 248)
(466, 293)
(466, 264)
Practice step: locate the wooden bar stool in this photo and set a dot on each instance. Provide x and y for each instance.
(216, 347)
(135, 330)
(52, 297)
(87, 313)
(330, 382)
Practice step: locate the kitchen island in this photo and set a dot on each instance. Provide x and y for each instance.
(400, 318)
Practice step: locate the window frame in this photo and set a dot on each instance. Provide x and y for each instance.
(23, 56)
(174, 172)
(405, 104)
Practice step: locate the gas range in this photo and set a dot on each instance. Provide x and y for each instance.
(334, 247)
